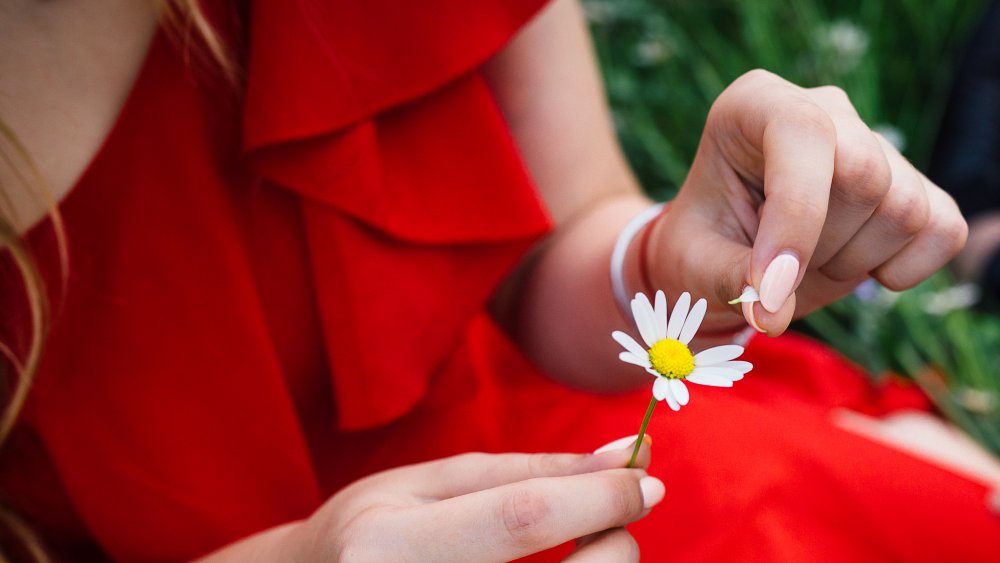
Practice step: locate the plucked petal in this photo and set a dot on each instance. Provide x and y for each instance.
(710, 380)
(642, 312)
(693, 321)
(717, 354)
(630, 358)
(660, 315)
(679, 391)
(679, 315)
(660, 389)
(629, 344)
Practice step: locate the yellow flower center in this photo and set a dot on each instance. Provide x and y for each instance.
(671, 359)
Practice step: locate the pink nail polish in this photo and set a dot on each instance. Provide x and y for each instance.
(652, 491)
(619, 444)
(778, 280)
(750, 317)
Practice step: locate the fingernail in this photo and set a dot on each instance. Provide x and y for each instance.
(779, 277)
(652, 491)
(619, 444)
(751, 318)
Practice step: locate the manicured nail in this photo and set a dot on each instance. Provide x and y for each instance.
(619, 444)
(779, 277)
(652, 491)
(751, 317)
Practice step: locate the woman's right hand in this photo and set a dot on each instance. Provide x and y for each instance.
(477, 507)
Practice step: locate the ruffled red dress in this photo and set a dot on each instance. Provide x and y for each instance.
(271, 297)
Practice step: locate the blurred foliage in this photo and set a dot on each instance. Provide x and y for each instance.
(938, 334)
(665, 61)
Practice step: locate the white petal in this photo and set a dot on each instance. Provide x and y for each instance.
(642, 312)
(710, 380)
(717, 354)
(716, 371)
(749, 295)
(679, 390)
(661, 388)
(680, 313)
(630, 358)
(693, 321)
(671, 400)
(660, 315)
(743, 367)
(629, 344)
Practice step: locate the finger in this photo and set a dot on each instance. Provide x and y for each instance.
(797, 140)
(615, 544)
(466, 473)
(862, 174)
(902, 213)
(718, 280)
(774, 323)
(817, 291)
(515, 520)
(931, 249)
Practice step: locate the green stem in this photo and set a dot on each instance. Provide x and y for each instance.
(642, 431)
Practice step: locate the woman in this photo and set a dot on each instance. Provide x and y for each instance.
(274, 297)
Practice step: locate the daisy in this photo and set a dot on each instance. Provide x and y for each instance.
(666, 355)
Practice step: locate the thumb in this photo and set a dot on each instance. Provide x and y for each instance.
(717, 266)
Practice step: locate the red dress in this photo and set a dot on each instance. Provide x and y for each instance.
(273, 296)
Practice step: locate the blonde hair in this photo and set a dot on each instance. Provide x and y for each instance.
(186, 24)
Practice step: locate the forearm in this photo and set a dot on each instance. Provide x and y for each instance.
(559, 306)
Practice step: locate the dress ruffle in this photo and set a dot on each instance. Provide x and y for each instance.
(414, 197)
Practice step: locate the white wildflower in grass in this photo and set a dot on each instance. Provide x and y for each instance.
(961, 296)
(893, 134)
(652, 51)
(845, 43)
(600, 11)
(666, 355)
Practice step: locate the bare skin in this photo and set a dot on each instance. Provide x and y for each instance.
(779, 169)
(65, 70)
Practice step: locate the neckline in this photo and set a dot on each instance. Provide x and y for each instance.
(154, 45)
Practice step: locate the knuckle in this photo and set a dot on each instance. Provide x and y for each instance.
(895, 280)
(951, 231)
(541, 465)
(865, 175)
(905, 210)
(623, 497)
(805, 118)
(523, 513)
(801, 207)
(833, 92)
(756, 76)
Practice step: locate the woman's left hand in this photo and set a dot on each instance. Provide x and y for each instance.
(791, 193)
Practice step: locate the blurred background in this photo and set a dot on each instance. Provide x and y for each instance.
(665, 61)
